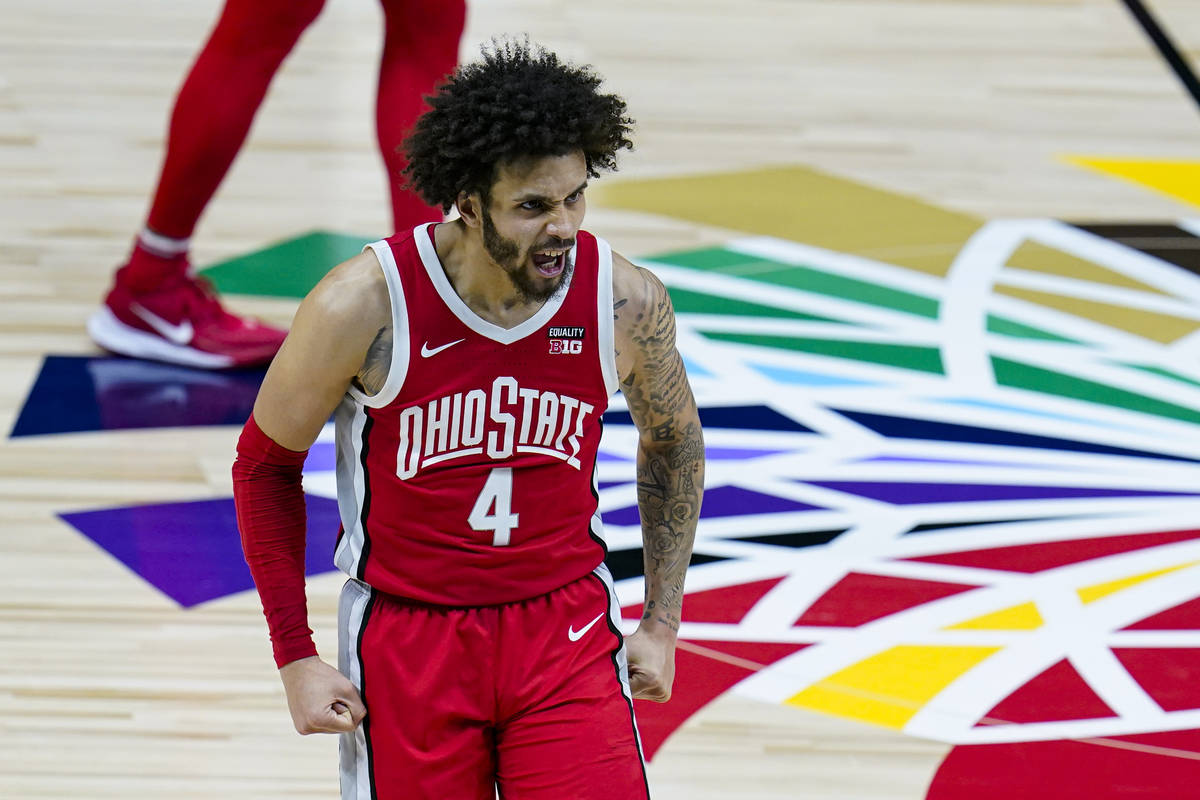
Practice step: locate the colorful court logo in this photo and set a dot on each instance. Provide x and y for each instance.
(965, 506)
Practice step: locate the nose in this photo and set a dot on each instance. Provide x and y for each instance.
(563, 223)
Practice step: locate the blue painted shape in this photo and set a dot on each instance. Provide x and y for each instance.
(918, 493)
(723, 501)
(803, 377)
(973, 462)
(760, 418)
(694, 370)
(74, 394)
(990, 405)
(911, 428)
(191, 552)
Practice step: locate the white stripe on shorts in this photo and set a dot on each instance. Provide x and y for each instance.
(355, 757)
(614, 617)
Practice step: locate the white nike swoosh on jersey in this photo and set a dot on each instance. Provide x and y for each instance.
(576, 635)
(180, 333)
(427, 351)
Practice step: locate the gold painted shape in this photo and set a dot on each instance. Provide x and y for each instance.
(889, 688)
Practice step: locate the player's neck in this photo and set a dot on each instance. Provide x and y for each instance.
(477, 280)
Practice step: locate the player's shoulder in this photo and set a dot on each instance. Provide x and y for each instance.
(352, 293)
(636, 289)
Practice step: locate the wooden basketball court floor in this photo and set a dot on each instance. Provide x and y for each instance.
(807, 173)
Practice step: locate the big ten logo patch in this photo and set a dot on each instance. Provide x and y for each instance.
(565, 340)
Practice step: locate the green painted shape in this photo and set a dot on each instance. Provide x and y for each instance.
(717, 259)
(806, 279)
(1038, 379)
(1162, 373)
(687, 301)
(924, 359)
(290, 268)
(1006, 327)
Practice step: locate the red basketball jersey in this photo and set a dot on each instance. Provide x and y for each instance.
(468, 479)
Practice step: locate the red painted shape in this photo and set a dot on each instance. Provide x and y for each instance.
(760, 653)
(859, 598)
(1058, 693)
(1159, 766)
(1172, 744)
(1171, 675)
(699, 679)
(1183, 617)
(1030, 558)
(725, 604)
(705, 670)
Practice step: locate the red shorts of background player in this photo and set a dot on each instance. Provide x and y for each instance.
(529, 700)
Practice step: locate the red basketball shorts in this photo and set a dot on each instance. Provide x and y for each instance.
(528, 700)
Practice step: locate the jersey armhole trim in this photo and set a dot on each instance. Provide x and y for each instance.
(398, 369)
(604, 316)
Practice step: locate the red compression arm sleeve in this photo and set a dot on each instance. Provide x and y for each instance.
(270, 515)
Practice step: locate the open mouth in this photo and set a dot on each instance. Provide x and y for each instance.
(550, 263)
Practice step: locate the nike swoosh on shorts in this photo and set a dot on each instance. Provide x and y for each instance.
(576, 635)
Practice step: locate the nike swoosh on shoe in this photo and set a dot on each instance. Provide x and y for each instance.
(180, 333)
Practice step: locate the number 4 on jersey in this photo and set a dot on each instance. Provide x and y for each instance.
(493, 508)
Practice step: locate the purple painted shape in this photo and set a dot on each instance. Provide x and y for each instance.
(322, 457)
(735, 453)
(914, 493)
(192, 552)
(723, 501)
(715, 453)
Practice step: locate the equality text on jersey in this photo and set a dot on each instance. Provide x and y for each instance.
(500, 420)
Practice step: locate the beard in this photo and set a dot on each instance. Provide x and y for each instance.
(507, 254)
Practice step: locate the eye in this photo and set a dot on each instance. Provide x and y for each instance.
(575, 197)
(532, 205)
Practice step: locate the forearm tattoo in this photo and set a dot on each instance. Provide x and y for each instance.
(670, 467)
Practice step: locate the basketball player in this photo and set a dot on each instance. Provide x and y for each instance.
(156, 309)
(468, 364)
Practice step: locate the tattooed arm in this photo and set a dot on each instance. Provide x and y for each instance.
(670, 466)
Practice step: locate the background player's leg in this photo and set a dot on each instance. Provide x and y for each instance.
(217, 103)
(420, 47)
(155, 310)
(569, 731)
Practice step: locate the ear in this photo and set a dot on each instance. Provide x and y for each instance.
(470, 208)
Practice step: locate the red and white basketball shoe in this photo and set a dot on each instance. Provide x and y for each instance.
(181, 321)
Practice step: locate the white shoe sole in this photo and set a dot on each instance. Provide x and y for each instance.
(117, 337)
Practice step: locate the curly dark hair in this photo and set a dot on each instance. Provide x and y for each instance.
(520, 101)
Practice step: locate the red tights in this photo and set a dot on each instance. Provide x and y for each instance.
(226, 85)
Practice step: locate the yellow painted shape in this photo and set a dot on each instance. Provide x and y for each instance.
(890, 687)
(1177, 179)
(1037, 257)
(1024, 617)
(1090, 594)
(1162, 328)
(805, 205)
